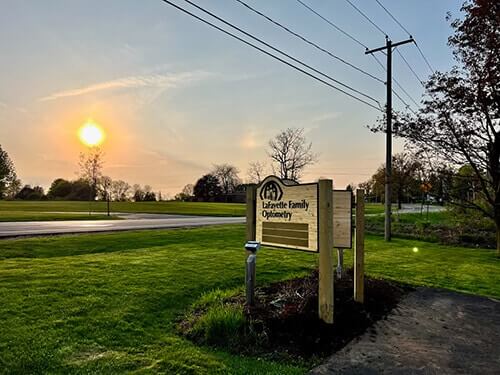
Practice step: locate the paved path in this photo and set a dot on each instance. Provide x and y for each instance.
(132, 222)
(430, 332)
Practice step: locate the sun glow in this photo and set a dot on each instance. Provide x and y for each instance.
(91, 134)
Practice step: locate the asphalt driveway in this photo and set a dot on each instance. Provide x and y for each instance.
(430, 332)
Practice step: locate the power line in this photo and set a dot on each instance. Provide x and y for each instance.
(331, 54)
(367, 18)
(398, 84)
(268, 53)
(394, 18)
(366, 47)
(425, 58)
(281, 52)
(407, 106)
(411, 69)
(406, 30)
(332, 24)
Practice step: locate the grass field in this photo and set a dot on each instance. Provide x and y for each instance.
(107, 303)
(49, 216)
(78, 210)
(57, 210)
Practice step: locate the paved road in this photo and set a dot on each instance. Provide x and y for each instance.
(431, 331)
(131, 222)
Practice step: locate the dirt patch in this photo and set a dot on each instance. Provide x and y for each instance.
(285, 321)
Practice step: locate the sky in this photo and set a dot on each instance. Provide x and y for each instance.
(175, 96)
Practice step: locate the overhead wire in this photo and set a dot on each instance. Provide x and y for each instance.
(338, 28)
(406, 30)
(331, 54)
(410, 67)
(280, 51)
(272, 55)
(367, 18)
(397, 84)
(394, 18)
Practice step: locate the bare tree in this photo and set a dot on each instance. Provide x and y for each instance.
(256, 172)
(291, 153)
(120, 190)
(91, 170)
(187, 193)
(227, 175)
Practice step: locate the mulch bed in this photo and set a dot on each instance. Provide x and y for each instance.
(286, 316)
(289, 313)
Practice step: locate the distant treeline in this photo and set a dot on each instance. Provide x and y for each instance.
(81, 190)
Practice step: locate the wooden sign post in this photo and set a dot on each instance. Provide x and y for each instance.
(326, 279)
(359, 250)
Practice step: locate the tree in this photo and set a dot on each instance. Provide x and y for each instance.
(148, 194)
(256, 172)
(80, 190)
(120, 190)
(406, 178)
(138, 193)
(13, 187)
(405, 168)
(91, 165)
(459, 121)
(291, 153)
(228, 178)
(186, 194)
(104, 187)
(60, 189)
(30, 193)
(207, 188)
(9, 182)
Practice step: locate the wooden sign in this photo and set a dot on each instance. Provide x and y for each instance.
(342, 219)
(286, 214)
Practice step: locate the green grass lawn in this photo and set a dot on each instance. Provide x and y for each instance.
(78, 210)
(59, 210)
(49, 216)
(107, 303)
(374, 208)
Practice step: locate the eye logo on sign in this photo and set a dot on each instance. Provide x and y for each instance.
(271, 191)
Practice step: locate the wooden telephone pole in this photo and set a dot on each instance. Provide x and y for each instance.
(388, 151)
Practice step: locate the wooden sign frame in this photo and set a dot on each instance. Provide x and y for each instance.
(325, 243)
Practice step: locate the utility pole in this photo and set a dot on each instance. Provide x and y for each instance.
(388, 131)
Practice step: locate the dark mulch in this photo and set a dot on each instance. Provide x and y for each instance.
(288, 313)
(284, 321)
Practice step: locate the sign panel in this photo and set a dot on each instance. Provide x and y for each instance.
(342, 219)
(287, 214)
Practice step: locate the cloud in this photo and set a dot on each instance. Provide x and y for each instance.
(165, 80)
(326, 117)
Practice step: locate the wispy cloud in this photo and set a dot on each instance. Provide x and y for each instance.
(165, 80)
(326, 117)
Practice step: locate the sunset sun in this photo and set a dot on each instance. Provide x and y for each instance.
(91, 134)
